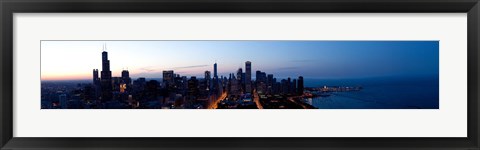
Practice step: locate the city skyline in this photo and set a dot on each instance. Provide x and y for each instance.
(252, 87)
(312, 59)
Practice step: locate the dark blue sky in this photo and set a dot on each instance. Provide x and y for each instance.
(311, 59)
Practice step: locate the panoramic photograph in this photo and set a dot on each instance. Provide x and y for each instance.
(257, 74)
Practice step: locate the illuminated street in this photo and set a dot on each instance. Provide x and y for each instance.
(256, 99)
(214, 105)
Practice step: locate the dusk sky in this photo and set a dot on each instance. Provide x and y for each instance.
(75, 60)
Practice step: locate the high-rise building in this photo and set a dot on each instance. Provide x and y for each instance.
(239, 80)
(126, 81)
(215, 75)
(151, 90)
(260, 77)
(193, 86)
(184, 83)
(139, 85)
(178, 83)
(270, 83)
(233, 85)
(289, 85)
(284, 86)
(248, 77)
(215, 85)
(300, 86)
(168, 78)
(106, 77)
(294, 87)
(126, 76)
(270, 79)
(208, 80)
(257, 76)
(229, 83)
(117, 83)
(243, 82)
(95, 76)
(96, 84)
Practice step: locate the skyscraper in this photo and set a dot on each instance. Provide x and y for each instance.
(138, 85)
(193, 86)
(215, 75)
(260, 77)
(117, 84)
(208, 80)
(239, 80)
(270, 83)
(248, 77)
(215, 86)
(126, 81)
(126, 77)
(233, 85)
(168, 78)
(257, 76)
(95, 76)
(96, 84)
(300, 86)
(294, 87)
(269, 79)
(289, 85)
(106, 77)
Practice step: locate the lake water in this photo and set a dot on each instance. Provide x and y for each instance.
(379, 93)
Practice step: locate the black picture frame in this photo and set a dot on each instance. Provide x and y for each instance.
(8, 7)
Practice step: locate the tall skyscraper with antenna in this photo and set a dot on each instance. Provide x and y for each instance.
(106, 76)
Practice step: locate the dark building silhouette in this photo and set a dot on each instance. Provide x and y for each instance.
(294, 87)
(248, 77)
(193, 86)
(260, 77)
(139, 85)
(289, 86)
(215, 75)
(300, 85)
(106, 77)
(168, 78)
(116, 81)
(179, 84)
(126, 77)
(96, 85)
(270, 83)
(152, 90)
(215, 85)
(208, 80)
(126, 81)
(240, 82)
(284, 86)
(269, 79)
(95, 76)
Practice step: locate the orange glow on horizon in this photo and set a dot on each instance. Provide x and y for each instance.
(66, 77)
(88, 75)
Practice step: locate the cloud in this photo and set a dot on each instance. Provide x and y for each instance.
(186, 67)
(147, 69)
